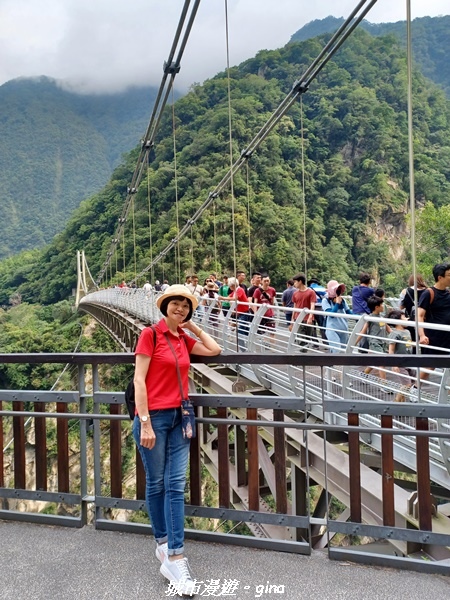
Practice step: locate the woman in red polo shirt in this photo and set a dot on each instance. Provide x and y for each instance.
(157, 427)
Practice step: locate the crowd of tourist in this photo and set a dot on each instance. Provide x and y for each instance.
(232, 293)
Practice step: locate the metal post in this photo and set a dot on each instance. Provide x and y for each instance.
(83, 447)
(97, 455)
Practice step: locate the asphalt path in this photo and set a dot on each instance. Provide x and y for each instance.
(55, 563)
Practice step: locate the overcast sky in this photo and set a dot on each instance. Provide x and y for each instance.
(107, 45)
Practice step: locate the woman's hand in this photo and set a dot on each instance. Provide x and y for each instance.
(191, 326)
(148, 437)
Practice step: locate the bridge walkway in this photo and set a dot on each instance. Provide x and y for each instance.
(124, 313)
(265, 468)
(58, 563)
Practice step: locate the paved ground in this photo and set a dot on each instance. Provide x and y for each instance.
(52, 563)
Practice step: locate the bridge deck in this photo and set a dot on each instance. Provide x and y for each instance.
(136, 308)
(41, 562)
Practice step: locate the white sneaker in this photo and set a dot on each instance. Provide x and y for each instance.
(178, 572)
(161, 552)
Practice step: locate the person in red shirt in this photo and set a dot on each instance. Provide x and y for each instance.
(304, 297)
(266, 295)
(161, 379)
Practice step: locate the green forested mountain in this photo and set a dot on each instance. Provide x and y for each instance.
(57, 148)
(430, 41)
(356, 177)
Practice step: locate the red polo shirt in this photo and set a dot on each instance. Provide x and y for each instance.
(163, 390)
(240, 296)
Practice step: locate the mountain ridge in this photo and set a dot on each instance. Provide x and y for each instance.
(56, 149)
(355, 171)
(430, 39)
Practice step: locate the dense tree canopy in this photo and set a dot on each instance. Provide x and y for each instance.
(430, 40)
(57, 148)
(355, 175)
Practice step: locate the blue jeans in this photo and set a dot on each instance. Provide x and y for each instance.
(243, 326)
(165, 473)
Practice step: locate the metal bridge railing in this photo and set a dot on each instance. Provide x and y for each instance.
(265, 453)
(335, 381)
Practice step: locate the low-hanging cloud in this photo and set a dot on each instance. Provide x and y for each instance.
(108, 45)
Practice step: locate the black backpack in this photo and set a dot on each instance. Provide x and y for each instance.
(130, 399)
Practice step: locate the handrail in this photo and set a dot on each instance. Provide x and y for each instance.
(357, 486)
(311, 367)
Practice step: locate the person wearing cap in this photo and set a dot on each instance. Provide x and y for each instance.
(157, 427)
(336, 327)
(210, 296)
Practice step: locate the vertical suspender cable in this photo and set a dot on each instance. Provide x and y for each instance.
(133, 204)
(175, 263)
(231, 141)
(303, 188)
(216, 265)
(412, 198)
(231, 160)
(249, 221)
(123, 242)
(152, 279)
(177, 248)
(192, 250)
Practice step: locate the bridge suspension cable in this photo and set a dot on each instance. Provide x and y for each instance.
(149, 212)
(230, 139)
(412, 194)
(171, 68)
(175, 176)
(302, 136)
(299, 87)
(249, 232)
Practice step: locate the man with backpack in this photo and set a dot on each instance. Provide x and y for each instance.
(319, 320)
(360, 294)
(434, 307)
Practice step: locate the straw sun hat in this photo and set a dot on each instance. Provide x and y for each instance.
(176, 290)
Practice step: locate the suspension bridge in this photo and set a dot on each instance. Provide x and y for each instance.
(303, 446)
